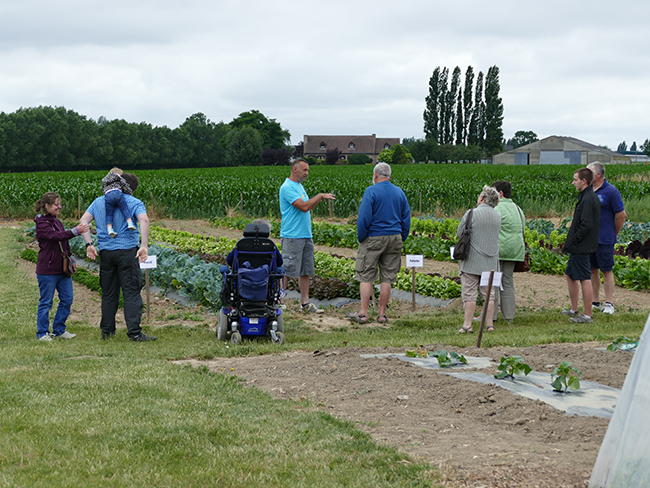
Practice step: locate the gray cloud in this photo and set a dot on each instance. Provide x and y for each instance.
(572, 68)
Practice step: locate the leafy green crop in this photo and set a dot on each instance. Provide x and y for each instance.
(448, 359)
(428, 285)
(510, 366)
(622, 343)
(190, 275)
(566, 376)
(432, 239)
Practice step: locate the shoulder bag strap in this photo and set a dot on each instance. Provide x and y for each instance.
(60, 245)
(523, 224)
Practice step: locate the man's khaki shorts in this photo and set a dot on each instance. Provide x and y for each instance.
(469, 288)
(382, 251)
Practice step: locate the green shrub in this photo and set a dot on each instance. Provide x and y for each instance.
(359, 159)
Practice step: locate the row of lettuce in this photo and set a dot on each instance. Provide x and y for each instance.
(433, 239)
(190, 264)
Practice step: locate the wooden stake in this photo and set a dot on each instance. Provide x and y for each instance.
(146, 277)
(413, 271)
(486, 302)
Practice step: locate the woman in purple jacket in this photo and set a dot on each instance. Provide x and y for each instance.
(53, 240)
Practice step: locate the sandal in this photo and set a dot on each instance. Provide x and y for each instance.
(355, 317)
(464, 330)
(382, 319)
(490, 329)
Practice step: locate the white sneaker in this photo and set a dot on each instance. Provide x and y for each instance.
(45, 338)
(608, 308)
(66, 335)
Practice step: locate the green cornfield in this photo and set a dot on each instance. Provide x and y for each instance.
(435, 190)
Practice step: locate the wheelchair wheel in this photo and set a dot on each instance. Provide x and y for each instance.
(222, 326)
(280, 338)
(280, 320)
(235, 338)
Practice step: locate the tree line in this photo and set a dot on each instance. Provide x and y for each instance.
(55, 139)
(644, 148)
(463, 119)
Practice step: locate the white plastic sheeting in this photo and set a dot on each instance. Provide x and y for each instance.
(624, 457)
(591, 399)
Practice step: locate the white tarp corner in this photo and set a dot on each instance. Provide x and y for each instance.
(624, 457)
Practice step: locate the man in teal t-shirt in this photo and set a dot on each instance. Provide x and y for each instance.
(295, 231)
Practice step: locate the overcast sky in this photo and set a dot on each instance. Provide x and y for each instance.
(575, 68)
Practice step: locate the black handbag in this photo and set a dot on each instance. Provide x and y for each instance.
(461, 250)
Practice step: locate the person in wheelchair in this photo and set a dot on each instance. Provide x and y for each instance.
(251, 291)
(276, 252)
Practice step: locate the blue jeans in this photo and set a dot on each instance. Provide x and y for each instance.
(115, 199)
(47, 284)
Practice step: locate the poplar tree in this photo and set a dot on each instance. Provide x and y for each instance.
(467, 102)
(452, 106)
(493, 113)
(469, 114)
(460, 120)
(475, 135)
(432, 107)
(443, 127)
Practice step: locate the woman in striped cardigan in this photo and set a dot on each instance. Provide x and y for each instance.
(483, 255)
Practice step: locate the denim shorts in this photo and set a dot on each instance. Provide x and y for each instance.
(603, 258)
(578, 268)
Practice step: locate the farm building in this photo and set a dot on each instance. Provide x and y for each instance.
(560, 150)
(317, 146)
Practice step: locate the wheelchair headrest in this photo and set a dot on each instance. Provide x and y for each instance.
(256, 230)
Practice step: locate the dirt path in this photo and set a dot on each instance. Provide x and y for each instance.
(480, 435)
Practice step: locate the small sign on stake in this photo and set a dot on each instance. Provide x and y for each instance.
(414, 261)
(149, 263)
(496, 280)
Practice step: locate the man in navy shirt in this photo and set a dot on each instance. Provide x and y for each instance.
(612, 219)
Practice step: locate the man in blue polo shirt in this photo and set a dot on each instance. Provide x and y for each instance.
(295, 230)
(383, 225)
(119, 265)
(612, 219)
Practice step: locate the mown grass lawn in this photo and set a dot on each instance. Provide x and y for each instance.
(87, 413)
